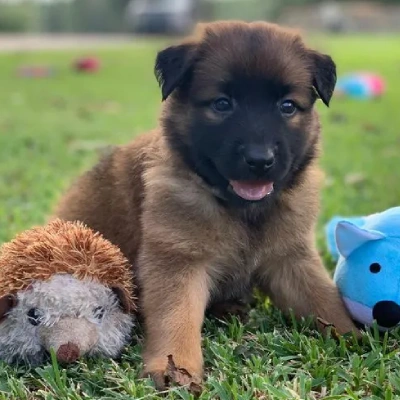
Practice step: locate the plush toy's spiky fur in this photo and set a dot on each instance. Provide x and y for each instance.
(62, 247)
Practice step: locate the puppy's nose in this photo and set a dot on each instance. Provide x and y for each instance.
(259, 159)
(68, 353)
(386, 313)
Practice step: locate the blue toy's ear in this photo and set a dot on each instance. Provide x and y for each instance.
(350, 237)
(330, 230)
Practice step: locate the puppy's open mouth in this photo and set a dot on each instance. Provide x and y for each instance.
(252, 190)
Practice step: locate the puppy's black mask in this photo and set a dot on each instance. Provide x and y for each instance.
(240, 107)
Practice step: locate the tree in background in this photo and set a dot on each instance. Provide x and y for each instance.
(83, 16)
(21, 17)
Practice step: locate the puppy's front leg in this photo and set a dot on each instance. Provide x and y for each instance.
(299, 281)
(174, 299)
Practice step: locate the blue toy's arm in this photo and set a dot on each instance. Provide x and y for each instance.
(330, 232)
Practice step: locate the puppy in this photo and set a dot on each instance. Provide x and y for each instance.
(224, 196)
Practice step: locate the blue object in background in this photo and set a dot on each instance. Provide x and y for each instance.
(361, 85)
(353, 86)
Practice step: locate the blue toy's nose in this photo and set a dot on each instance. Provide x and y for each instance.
(386, 313)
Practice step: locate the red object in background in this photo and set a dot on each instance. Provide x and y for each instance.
(87, 64)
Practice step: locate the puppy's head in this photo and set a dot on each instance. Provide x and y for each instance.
(240, 106)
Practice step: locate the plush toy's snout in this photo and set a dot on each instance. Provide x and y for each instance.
(70, 338)
(386, 313)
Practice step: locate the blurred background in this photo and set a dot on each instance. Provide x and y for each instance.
(178, 16)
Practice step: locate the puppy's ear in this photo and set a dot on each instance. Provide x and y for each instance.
(324, 80)
(6, 304)
(172, 67)
(125, 301)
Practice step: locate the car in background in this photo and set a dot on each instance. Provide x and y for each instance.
(162, 16)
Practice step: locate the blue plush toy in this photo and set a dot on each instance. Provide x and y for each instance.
(368, 268)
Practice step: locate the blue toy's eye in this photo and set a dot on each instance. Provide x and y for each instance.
(375, 268)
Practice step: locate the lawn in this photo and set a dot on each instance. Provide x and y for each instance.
(52, 129)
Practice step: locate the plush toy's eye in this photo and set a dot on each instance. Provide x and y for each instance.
(34, 316)
(375, 268)
(98, 312)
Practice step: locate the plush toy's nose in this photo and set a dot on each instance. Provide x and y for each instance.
(68, 353)
(386, 313)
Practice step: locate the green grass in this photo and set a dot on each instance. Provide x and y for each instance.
(52, 129)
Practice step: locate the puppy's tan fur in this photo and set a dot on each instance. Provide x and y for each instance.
(190, 251)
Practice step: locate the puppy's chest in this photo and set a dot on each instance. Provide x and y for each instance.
(232, 273)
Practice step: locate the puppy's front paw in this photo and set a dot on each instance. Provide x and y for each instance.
(164, 373)
(158, 377)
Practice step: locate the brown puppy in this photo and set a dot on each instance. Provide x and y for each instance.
(224, 196)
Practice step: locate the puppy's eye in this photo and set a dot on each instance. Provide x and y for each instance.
(98, 312)
(34, 316)
(288, 108)
(222, 104)
(375, 268)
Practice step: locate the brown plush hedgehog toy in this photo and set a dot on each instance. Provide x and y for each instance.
(66, 288)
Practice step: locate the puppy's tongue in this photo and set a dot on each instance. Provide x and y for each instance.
(252, 190)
